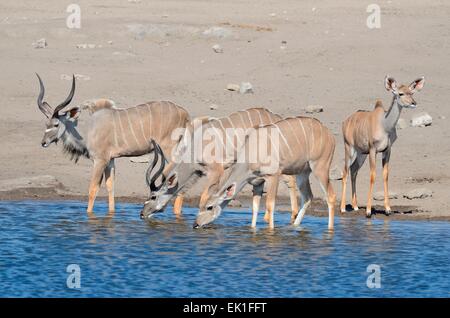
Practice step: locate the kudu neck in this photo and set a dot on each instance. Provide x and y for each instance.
(392, 116)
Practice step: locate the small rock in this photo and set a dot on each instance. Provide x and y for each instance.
(379, 196)
(40, 44)
(235, 204)
(110, 42)
(217, 48)
(421, 120)
(213, 107)
(311, 109)
(402, 124)
(419, 193)
(246, 88)
(140, 159)
(441, 117)
(273, 15)
(233, 87)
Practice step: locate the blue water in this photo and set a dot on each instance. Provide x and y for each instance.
(165, 257)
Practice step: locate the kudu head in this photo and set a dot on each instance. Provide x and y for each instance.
(231, 184)
(160, 194)
(60, 118)
(404, 93)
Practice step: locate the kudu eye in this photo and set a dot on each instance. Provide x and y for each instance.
(401, 94)
(209, 208)
(153, 197)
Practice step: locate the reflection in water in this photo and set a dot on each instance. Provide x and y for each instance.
(122, 255)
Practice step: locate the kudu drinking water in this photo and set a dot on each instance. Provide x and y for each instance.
(370, 132)
(101, 132)
(295, 146)
(222, 137)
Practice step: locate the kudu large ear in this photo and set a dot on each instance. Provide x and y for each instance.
(390, 83)
(417, 85)
(44, 107)
(172, 181)
(230, 191)
(71, 112)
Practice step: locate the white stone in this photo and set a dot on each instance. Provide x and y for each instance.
(40, 44)
(246, 88)
(421, 120)
(311, 109)
(233, 87)
(217, 48)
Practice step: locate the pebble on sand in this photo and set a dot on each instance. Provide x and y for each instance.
(233, 87)
(421, 120)
(246, 88)
(419, 193)
(40, 44)
(311, 109)
(217, 48)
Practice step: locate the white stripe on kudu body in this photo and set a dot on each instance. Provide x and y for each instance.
(294, 158)
(98, 130)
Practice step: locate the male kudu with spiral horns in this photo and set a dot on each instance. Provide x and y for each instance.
(101, 132)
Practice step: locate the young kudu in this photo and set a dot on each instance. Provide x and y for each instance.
(222, 137)
(101, 132)
(296, 146)
(370, 132)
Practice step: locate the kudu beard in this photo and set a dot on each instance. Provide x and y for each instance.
(207, 145)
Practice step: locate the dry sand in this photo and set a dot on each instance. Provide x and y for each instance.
(153, 50)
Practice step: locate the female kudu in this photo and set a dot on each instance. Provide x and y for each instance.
(370, 132)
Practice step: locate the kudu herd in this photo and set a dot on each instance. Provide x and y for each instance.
(253, 146)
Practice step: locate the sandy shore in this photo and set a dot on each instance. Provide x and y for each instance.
(294, 53)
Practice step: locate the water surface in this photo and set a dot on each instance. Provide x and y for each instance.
(165, 257)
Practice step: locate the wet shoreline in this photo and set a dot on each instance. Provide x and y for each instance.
(318, 207)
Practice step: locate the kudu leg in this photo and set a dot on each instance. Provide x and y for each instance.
(109, 181)
(386, 157)
(347, 163)
(372, 161)
(257, 194)
(305, 196)
(292, 186)
(354, 169)
(96, 180)
(322, 172)
(178, 204)
(272, 189)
